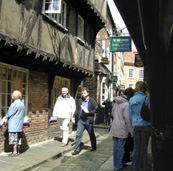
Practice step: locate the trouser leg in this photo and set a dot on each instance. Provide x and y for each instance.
(65, 129)
(80, 130)
(91, 133)
(65, 137)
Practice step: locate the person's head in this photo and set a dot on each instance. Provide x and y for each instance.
(85, 93)
(121, 92)
(129, 92)
(142, 87)
(64, 91)
(16, 95)
(108, 100)
(138, 83)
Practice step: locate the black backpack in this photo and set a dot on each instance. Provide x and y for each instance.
(145, 112)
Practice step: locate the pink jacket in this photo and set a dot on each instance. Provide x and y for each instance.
(121, 125)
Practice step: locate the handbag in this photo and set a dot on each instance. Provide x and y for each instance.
(145, 112)
(4, 124)
(4, 129)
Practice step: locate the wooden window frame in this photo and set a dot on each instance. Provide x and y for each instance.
(59, 17)
(80, 28)
(141, 70)
(129, 74)
(15, 78)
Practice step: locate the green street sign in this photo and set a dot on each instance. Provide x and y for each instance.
(120, 44)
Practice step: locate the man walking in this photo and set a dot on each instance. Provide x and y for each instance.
(84, 114)
(64, 109)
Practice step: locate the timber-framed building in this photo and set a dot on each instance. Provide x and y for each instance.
(41, 51)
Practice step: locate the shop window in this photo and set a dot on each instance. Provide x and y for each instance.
(59, 82)
(12, 78)
(78, 93)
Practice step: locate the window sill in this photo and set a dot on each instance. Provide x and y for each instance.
(52, 120)
(80, 41)
(24, 123)
(55, 22)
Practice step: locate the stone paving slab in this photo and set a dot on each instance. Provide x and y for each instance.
(40, 153)
(87, 160)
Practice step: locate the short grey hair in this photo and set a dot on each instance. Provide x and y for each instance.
(65, 89)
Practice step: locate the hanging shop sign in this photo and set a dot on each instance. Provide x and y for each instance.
(138, 61)
(120, 44)
(104, 60)
(122, 87)
(114, 79)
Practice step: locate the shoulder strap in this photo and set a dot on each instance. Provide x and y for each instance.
(145, 98)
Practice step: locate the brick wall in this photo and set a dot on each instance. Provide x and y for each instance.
(38, 129)
(38, 91)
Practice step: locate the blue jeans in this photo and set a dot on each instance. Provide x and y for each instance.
(139, 158)
(81, 126)
(118, 152)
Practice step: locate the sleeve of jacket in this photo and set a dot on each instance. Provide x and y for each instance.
(130, 112)
(11, 111)
(73, 106)
(94, 107)
(127, 119)
(148, 102)
(77, 111)
(113, 110)
(55, 108)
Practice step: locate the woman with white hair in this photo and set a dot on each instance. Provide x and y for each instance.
(15, 117)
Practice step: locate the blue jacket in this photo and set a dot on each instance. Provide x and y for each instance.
(135, 105)
(15, 116)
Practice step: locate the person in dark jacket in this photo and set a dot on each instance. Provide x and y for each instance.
(84, 116)
(107, 111)
(15, 117)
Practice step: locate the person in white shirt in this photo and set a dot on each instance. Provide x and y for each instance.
(64, 110)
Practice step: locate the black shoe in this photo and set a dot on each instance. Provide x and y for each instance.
(75, 152)
(93, 149)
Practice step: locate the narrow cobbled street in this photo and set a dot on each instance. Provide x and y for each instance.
(99, 160)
